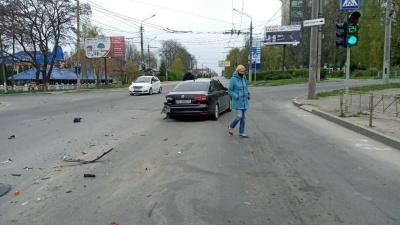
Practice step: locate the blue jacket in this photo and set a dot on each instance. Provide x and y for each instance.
(239, 92)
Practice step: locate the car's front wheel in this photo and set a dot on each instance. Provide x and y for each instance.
(151, 91)
(230, 105)
(160, 90)
(215, 115)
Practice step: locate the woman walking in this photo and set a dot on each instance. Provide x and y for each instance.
(240, 100)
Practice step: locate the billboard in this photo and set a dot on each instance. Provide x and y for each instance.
(256, 55)
(282, 35)
(224, 63)
(105, 47)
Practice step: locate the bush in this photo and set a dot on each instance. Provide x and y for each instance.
(338, 73)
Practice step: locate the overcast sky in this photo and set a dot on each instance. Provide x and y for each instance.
(203, 20)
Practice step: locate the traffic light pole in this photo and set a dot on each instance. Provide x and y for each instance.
(347, 79)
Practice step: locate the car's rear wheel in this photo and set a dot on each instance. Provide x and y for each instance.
(160, 90)
(151, 91)
(215, 115)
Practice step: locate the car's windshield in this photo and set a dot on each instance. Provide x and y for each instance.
(143, 80)
(191, 86)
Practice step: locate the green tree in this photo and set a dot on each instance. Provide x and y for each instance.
(163, 68)
(177, 67)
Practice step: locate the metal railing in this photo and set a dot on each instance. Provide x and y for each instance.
(27, 88)
(372, 104)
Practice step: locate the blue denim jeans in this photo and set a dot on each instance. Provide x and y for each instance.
(240, 117)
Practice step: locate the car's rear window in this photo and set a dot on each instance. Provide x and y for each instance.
(191, 86)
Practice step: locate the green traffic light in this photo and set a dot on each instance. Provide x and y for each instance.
(352, 40)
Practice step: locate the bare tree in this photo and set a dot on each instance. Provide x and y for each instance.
(170, 49)
(45, 23)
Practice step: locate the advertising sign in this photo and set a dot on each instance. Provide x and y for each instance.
(224, 63)
(282, 35)
(105, 47)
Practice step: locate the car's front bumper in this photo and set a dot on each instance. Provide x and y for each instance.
(139, 91)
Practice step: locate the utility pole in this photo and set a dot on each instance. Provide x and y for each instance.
(78, 44)
(319, 43)
(3, 63)
(313, 54)
(13, 51)
(251, 48)
(250, 58)
(388, 34)
(141, 42)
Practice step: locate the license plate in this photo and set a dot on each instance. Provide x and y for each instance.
(183, 101)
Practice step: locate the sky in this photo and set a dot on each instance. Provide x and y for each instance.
(198, 25)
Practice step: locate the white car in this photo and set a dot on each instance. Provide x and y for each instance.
(145, 85)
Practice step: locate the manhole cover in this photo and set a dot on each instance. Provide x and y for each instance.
(4, 189)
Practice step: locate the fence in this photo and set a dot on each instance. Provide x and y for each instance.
(373, 104)
(27, 88)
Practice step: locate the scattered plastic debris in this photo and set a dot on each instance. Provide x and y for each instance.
(84, 161)
(16, 174)
(16, 193)
(113, 223)
(77, 120)
(179, 152)
(69, 191)
(11, 137)
(24, 203)
(88, 175)
(27, 168)
(7, 161)
(4, 189)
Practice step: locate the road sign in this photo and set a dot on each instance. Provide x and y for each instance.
(349, 4)
(314, 22)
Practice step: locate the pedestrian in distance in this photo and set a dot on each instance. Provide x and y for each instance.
(240, 100)
(188, 75)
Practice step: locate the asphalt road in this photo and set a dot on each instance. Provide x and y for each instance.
(295, 168)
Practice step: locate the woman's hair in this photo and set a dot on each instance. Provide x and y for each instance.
(240, 67)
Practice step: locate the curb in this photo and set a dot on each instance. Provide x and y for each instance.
(390, 141)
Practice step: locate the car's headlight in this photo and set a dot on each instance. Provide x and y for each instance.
(169, 98)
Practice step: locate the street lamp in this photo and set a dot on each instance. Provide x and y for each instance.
(141, 40)
(251, 43)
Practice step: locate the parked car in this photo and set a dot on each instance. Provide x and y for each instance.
(145, 85)
(199, 97)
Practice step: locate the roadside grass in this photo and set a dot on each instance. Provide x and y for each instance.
(294, 80)
(377, 87)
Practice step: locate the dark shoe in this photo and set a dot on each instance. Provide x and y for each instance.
(230, 131)
(243, 136)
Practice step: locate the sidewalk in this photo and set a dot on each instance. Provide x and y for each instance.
(385, 128)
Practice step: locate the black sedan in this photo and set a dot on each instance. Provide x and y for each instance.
(200, 97)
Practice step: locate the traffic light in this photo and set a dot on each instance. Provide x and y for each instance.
(352, 28)
(342, 33)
